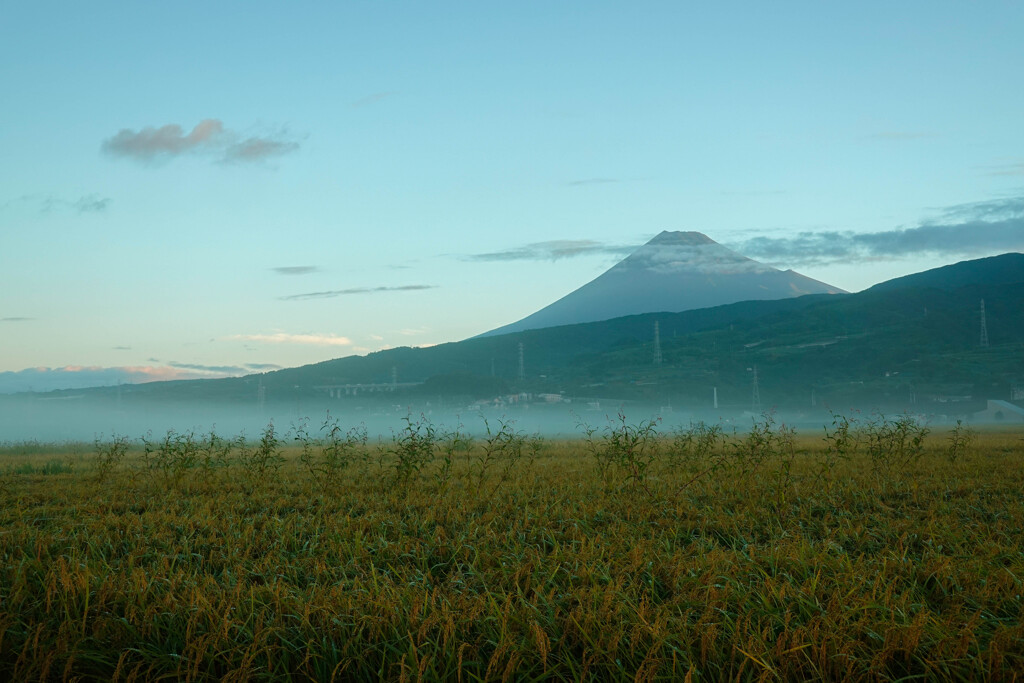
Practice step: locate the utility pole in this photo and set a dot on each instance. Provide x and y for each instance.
(522, 367)
(657, 344)
(757, 394)
(984, 327)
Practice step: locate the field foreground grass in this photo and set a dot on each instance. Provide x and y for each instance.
(628, 555)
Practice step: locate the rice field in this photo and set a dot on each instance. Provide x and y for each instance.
(871, 550)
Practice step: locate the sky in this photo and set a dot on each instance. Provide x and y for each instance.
(199, 190)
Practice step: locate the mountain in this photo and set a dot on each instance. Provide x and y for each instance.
(914, 347)
(675, 271)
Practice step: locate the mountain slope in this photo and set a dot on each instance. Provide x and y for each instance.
(1004, 269)
(675, 271)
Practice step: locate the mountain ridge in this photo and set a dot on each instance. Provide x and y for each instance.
(1005, 268)
(924, 334)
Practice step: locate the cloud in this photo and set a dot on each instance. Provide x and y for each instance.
(295, 270)
(80, 377)
(259, 367)
(284, 338)
(15, 319)
(209, 136)
(258, 149)
(592, 181)
(552, 250)
(704, 257)
(993, 209)
(225, 370)
(965, 230)
(1012, 169)
(752, 193)
(150, 143)
(354, 290)
(91, 204)
(372, 99)
(44, 203)
(900, 135)
(215, 369)
(122, 348)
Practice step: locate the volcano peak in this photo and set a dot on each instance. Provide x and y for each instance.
(678, 237)
(673, 272)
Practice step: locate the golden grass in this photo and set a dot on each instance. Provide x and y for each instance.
(557, 573)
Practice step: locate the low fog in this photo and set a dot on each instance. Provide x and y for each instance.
(56, 418)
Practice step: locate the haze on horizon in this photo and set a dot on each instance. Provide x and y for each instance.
(193, 191)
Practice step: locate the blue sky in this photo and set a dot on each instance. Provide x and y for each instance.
(198, 189)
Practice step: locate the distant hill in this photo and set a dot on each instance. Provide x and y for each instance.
(674, 272)
(887, 347)
(1005, 269)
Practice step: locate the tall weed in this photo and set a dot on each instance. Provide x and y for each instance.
(961, 441)
(624, 452)
(260, 460)
(172, 456)
(893, 445)
(502, 448)
(333, 453)
(110, 454)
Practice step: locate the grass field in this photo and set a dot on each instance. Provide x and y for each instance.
(877, 553)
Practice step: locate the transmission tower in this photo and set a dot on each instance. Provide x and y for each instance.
(984, 327)
(657, 344)
(261, 396)
(394, 377)
(522, 366)
(756, 402)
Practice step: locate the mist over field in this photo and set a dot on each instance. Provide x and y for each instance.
(26, 418)
(53, 420)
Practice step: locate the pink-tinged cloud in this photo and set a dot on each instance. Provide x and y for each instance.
(42, 379)
(81, 376)
(149, 142)
(209, 136)
(284, 338)
(158, 373)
